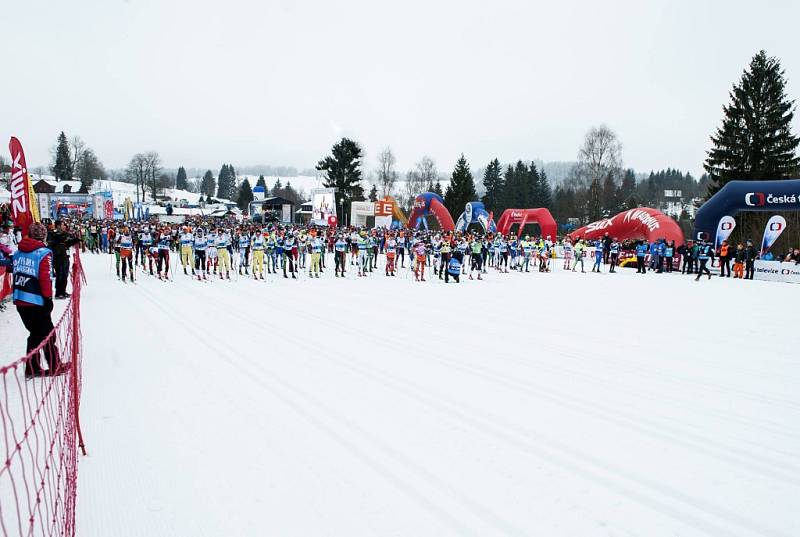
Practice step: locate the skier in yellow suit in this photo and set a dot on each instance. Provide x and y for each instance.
(258, 255)
(186, 239)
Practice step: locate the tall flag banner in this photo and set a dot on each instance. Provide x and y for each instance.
(775, 227)
(21, 208)
(724, 230)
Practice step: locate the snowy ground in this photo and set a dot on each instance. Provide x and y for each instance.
(526, 404)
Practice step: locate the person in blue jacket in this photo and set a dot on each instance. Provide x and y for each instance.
(653, 255)
(598, 255)
(704, 253)
(641, 254)
(454, 267)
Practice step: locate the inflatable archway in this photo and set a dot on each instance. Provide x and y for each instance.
(475, 213)
(430, 204)
(528, 216)
(641, 223)
(397, 213)
(738, 196)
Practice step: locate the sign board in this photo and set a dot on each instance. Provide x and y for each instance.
(776, 271)
(323, 205)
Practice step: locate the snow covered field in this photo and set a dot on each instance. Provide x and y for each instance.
(526, 404)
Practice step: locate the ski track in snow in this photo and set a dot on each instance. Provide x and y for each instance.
(526, 404)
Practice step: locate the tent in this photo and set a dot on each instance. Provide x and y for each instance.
(475, 213)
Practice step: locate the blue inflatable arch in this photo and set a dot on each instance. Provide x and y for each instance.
(736, 196)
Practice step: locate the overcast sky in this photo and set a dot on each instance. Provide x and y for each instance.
(277, 82)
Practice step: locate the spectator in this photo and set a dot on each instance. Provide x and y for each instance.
(724, 259)
(793, 256)
(738, 261)
(60, 242)
(33, 297)
(749, 260)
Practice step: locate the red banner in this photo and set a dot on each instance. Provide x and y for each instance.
(20, 188)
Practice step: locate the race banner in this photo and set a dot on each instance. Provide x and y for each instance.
(19, 185)
(772, 231)
(724, 230)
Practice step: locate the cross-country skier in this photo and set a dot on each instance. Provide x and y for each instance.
(340, 254)
(186, 240)
(200, 243)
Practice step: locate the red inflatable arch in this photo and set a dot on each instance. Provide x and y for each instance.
(641, 223)
(528, 216)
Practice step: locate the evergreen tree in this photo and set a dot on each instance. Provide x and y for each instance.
(494, 184)
(545, 193)
(245, 196)
(223, 182)
(208, 184)
(343, 171)
(531, 187)
(263, 183)
(232, 191)
(277, 189)
(594, 204)
(437, 188)
(627, 190)
(755, 141)
(461, 189)
(373, 193)
(514, 193)
(609, 196)
(62, 167)
(181, 181)
(89, 169)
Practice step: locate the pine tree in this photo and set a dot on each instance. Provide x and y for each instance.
(609, 195)
(277, 189)
(373, 193)
(208, 184)
(494, 183)
(343, 171)
(755, 141)
(545, 192)
(181, 181)
(245, 196)
(437, 188)
(223, 182)
(232, 190)
(531, 188)
(263, 183)
(62, 168)
(461, 189)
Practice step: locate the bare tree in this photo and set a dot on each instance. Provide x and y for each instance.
(136, 172)
(152, 169)
(421, 179)
(599, 161)
(77, 148)
(387, 175)
(600, 155)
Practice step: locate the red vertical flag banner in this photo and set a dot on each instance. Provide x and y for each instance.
(20, 188)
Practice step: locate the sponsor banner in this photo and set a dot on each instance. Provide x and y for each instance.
(384, 208)
(323, 205)
(20, 187)
(772, 231)
(760, 199)
(286, 214)
(776, 271)
(724, 230)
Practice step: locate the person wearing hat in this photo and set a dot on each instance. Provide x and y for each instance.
(749, 260)
(59, 243)
(33, 297)
(704, 253)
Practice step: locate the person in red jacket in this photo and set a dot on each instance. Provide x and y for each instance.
(33, 297)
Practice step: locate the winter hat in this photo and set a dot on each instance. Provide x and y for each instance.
(37, 231)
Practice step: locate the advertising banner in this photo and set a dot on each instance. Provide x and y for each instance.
(724, 230)
(776, 271)
(323, 205)
(772, 231)
(20, 187)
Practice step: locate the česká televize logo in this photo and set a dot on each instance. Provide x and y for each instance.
(759, 199)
